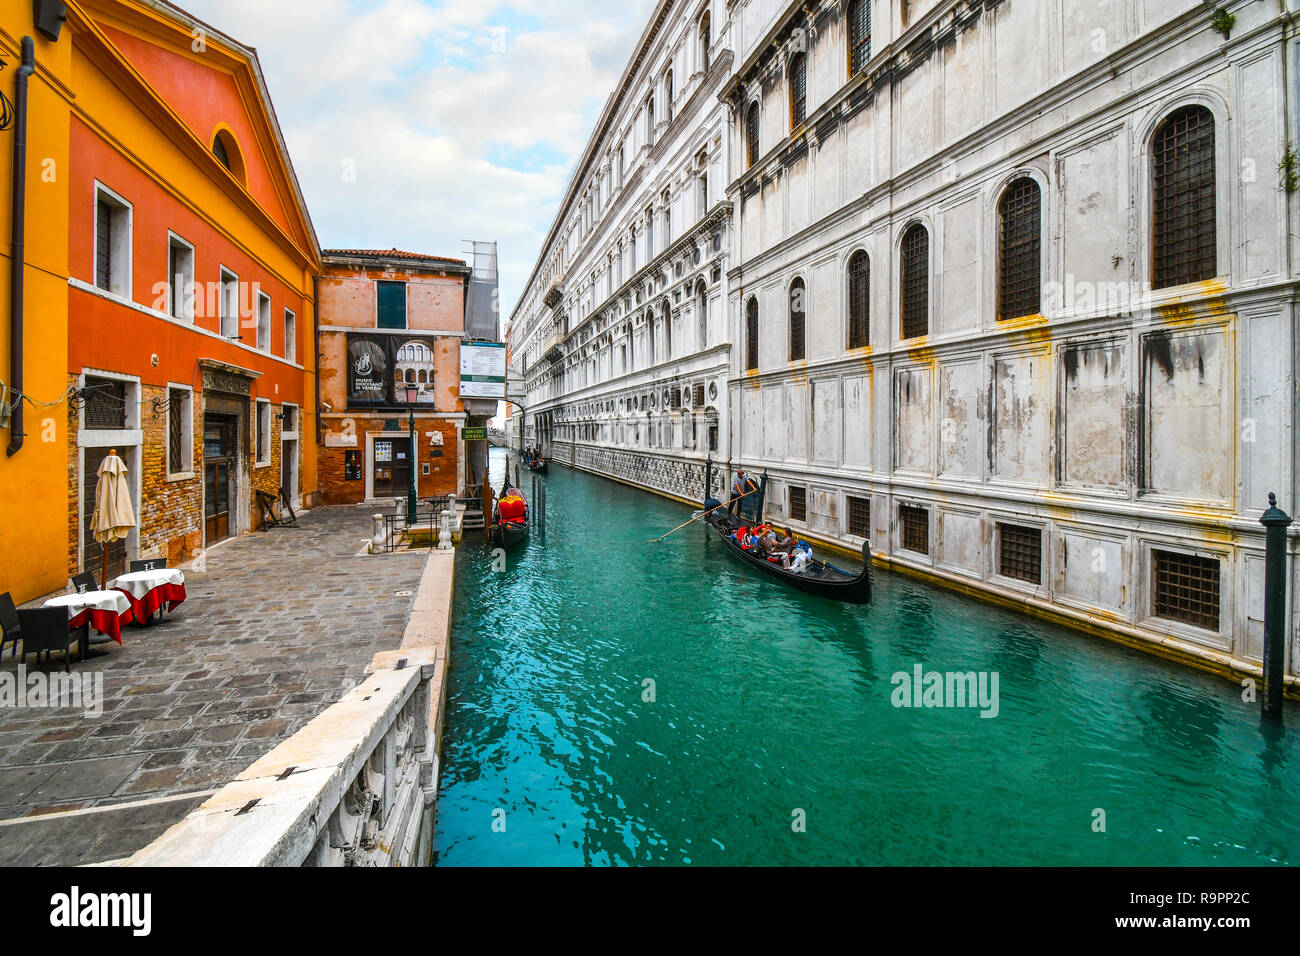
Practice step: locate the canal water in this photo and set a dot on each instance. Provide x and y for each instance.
(619, 702)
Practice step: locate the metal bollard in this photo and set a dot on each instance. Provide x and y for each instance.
(1275, 522)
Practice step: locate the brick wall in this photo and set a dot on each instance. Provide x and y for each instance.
(171, 509)
(335, 489)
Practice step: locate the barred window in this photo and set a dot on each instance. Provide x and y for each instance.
(1020, 552)
(798, 89)
(798, 504)
(916, 282)
(1019, 252)
(1184, 214)
(105, 403)
(1186, 588)
(860, 517)
(751, 133)
(915, 523)
(699, 395)
(796, 320)
(751, 334)
(859, 300)
(180, 451)
(859, 35)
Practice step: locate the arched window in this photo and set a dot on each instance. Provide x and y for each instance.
(796, 320)
(798, 90)
(227, 152)
(751, 334)
(916, 281)
(859, 300)
(668, 332)
(650, 336)
(702, 315)
(1020, 250)
(706, 41)
(751, 133)
(859, 35)
(1184, 216)
(650, 119)
(668, 94)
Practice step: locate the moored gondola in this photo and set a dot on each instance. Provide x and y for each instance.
(815, 577)
(509, 515)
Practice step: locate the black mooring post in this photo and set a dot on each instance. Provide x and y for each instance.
(1275, 522)
(541, 511)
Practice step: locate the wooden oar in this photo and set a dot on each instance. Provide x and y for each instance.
(701, 515)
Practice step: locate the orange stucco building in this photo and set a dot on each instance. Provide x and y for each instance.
(391, 326)
(166, 224)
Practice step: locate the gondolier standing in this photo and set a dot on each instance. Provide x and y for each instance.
(737, 491)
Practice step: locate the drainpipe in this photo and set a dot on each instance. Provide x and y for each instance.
(17, 257)
(315, 325)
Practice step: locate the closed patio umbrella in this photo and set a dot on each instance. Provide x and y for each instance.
(114, 517)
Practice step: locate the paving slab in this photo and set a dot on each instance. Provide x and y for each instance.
(277, 627)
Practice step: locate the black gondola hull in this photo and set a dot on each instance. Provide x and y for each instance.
(507, 534)
(819, 579)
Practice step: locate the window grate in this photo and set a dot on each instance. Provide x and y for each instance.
(751, 133)
(798, 90)
(1186, 588)
(859, 301)
(916, 282)
(1021, 552)
(796, 320)
(1184, 199)
(916, 528)
(859, 35)
(103, 245)
(105, 403)
(860, 517)
(175, 431)
(699, 396)
(751, 335)
(1020, 272)
(798, 504)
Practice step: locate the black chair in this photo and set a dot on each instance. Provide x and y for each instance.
(10, 628)
(85, 581)
(149, 564)
(46, 629)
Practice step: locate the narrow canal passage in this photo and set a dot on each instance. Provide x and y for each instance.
(771, 708)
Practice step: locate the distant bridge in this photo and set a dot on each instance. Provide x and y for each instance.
(496, 437)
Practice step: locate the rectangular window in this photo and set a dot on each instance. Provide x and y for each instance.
(699, 395)
(263, 322)
(105, 403)
(1186, 588)
(392, 304)
(112, 243)
(915, 523)
(289, 423)
(180, 431)
(262, 436)
(1020, 554)
(860, 517)
(229, 304)
(180, 279)
(290, 336)
(798, 504)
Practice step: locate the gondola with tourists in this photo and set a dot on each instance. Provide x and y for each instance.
(794, 566)
(509, 515)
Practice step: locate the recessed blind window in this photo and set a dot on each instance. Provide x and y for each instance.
(392, 304)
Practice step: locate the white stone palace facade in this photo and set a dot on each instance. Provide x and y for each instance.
(1006, 289)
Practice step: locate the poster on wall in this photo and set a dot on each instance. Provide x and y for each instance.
(483, 370)
(367, 371)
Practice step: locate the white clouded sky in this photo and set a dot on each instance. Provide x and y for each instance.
(461, 118)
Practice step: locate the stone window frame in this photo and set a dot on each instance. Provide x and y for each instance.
(121, 239)
(188, 307)
(261, 407)
(290, 322)
(187, 433)
(228, 279)
(1145, 549)
(128, 441)
(996, 521)
(263, 312)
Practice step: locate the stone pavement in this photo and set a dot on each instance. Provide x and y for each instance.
(279, 626)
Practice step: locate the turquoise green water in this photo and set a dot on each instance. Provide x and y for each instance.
(772, 709)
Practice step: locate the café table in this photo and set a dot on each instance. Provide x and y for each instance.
(149, 591)
(106, 610)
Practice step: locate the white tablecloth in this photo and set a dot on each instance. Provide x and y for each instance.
(140, 583)
(114, 601)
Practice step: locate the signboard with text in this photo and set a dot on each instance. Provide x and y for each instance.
(483, 370)
(473, 434)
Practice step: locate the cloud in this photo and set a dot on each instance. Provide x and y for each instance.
(461, 119)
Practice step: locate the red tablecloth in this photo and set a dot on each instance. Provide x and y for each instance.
(106, 622)
(145, 607)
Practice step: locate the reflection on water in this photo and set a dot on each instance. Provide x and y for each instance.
(620, 702)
